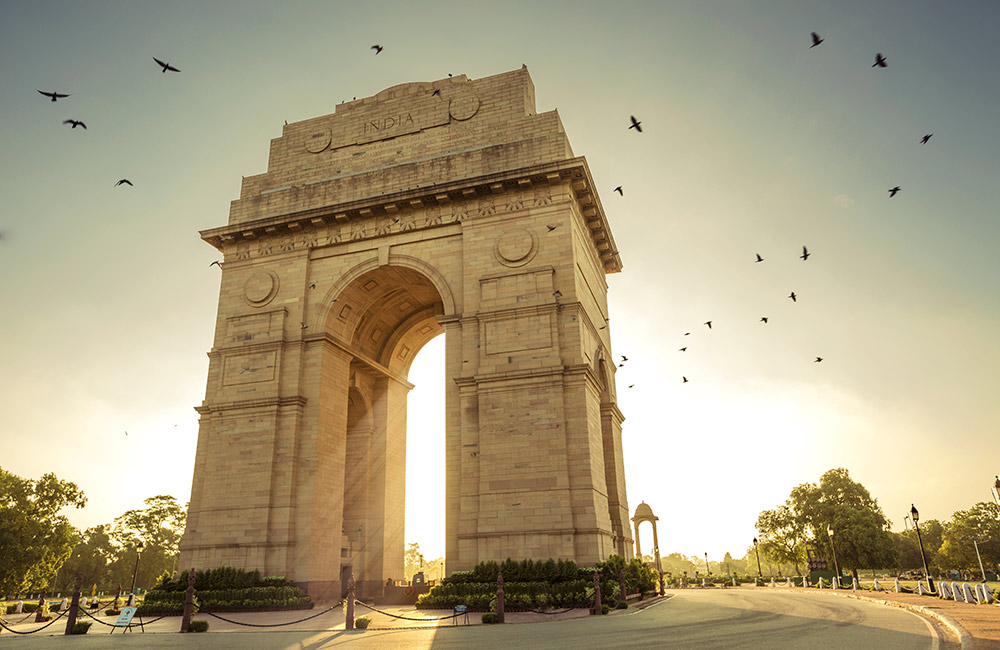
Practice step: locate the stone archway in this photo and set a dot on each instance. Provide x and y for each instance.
(375, 229)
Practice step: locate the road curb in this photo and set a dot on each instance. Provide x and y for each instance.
(966, 639)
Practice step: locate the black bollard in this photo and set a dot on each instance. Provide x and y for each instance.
(188, 602)
(500, 618)
(74, 605)
(118, 595)
(349, 622)
(597, 594)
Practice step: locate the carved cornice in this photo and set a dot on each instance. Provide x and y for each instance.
(266, 402)
(392, 213)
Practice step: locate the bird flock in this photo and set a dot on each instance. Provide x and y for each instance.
(881, 61)
(56, 96)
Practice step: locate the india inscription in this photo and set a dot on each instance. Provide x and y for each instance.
(444, 207)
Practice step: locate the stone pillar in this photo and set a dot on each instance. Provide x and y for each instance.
(621, 585)
(188, 602)
(638, 546)
(500, 614)
(74, 606)
(20, 607)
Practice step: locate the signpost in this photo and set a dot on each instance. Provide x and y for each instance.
(125, 619)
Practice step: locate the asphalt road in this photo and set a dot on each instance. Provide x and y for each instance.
(693, 618)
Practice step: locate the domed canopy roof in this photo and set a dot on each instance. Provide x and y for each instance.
(644, 513)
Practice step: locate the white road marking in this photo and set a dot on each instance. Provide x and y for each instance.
(935, 639)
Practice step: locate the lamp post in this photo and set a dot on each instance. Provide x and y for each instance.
(138, 552)
(975, 542)
(915, 516)
(836, 565)
(757, 553)
(707, 569)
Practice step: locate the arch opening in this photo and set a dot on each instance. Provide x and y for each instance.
(378, 323)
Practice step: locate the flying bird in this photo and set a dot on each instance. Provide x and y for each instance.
(165, 66)
(551, 228)
(635, 124)
(557, 293)
(378, 48)
(437, 92)
(923, 140)
(763, 319)
(685, 379)
(124, 181)
(759, 258)
(312, 285)
(631, 385)
(892, 192)
(816, 40)
(624, 358)
(683, 350)
(687, 333)
(879, 61)
(619, 190)
(792, 296)
(805, 254)
(75, 123)
(708, 322)
(216, 262)
(54, 95)
(818, 359)
(304, 326)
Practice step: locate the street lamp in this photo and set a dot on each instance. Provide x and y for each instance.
(915, 516)
(836, 565)
(138, 552)
(757, 553)
(975, 542)
(707, 569)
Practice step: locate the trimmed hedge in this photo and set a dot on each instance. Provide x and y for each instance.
(228, 600)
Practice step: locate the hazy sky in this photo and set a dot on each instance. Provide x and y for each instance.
(752, 143)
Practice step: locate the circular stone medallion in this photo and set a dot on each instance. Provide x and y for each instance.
(260, 288)
(463, 106)
(516, 247)
(318, 141)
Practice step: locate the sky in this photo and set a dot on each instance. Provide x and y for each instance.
(752, 143)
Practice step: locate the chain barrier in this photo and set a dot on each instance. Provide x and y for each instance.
(139, 624)
(407, 618)
(229, 620)
(38, 629)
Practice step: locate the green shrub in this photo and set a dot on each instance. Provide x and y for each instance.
(198, 626)
(81, 627)
(112, 612)
(605, 609)
(622, 605)
(362, 622)
(490, 618)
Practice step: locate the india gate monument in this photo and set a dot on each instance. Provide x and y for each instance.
(447, 206)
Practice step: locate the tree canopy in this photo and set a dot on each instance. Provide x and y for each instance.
(36, 539)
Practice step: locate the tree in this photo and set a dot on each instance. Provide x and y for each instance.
(862, 536)
(782, 536)
(981, 522)
(34, 537)
(413, 561)
(158, 526)
(91, 558)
